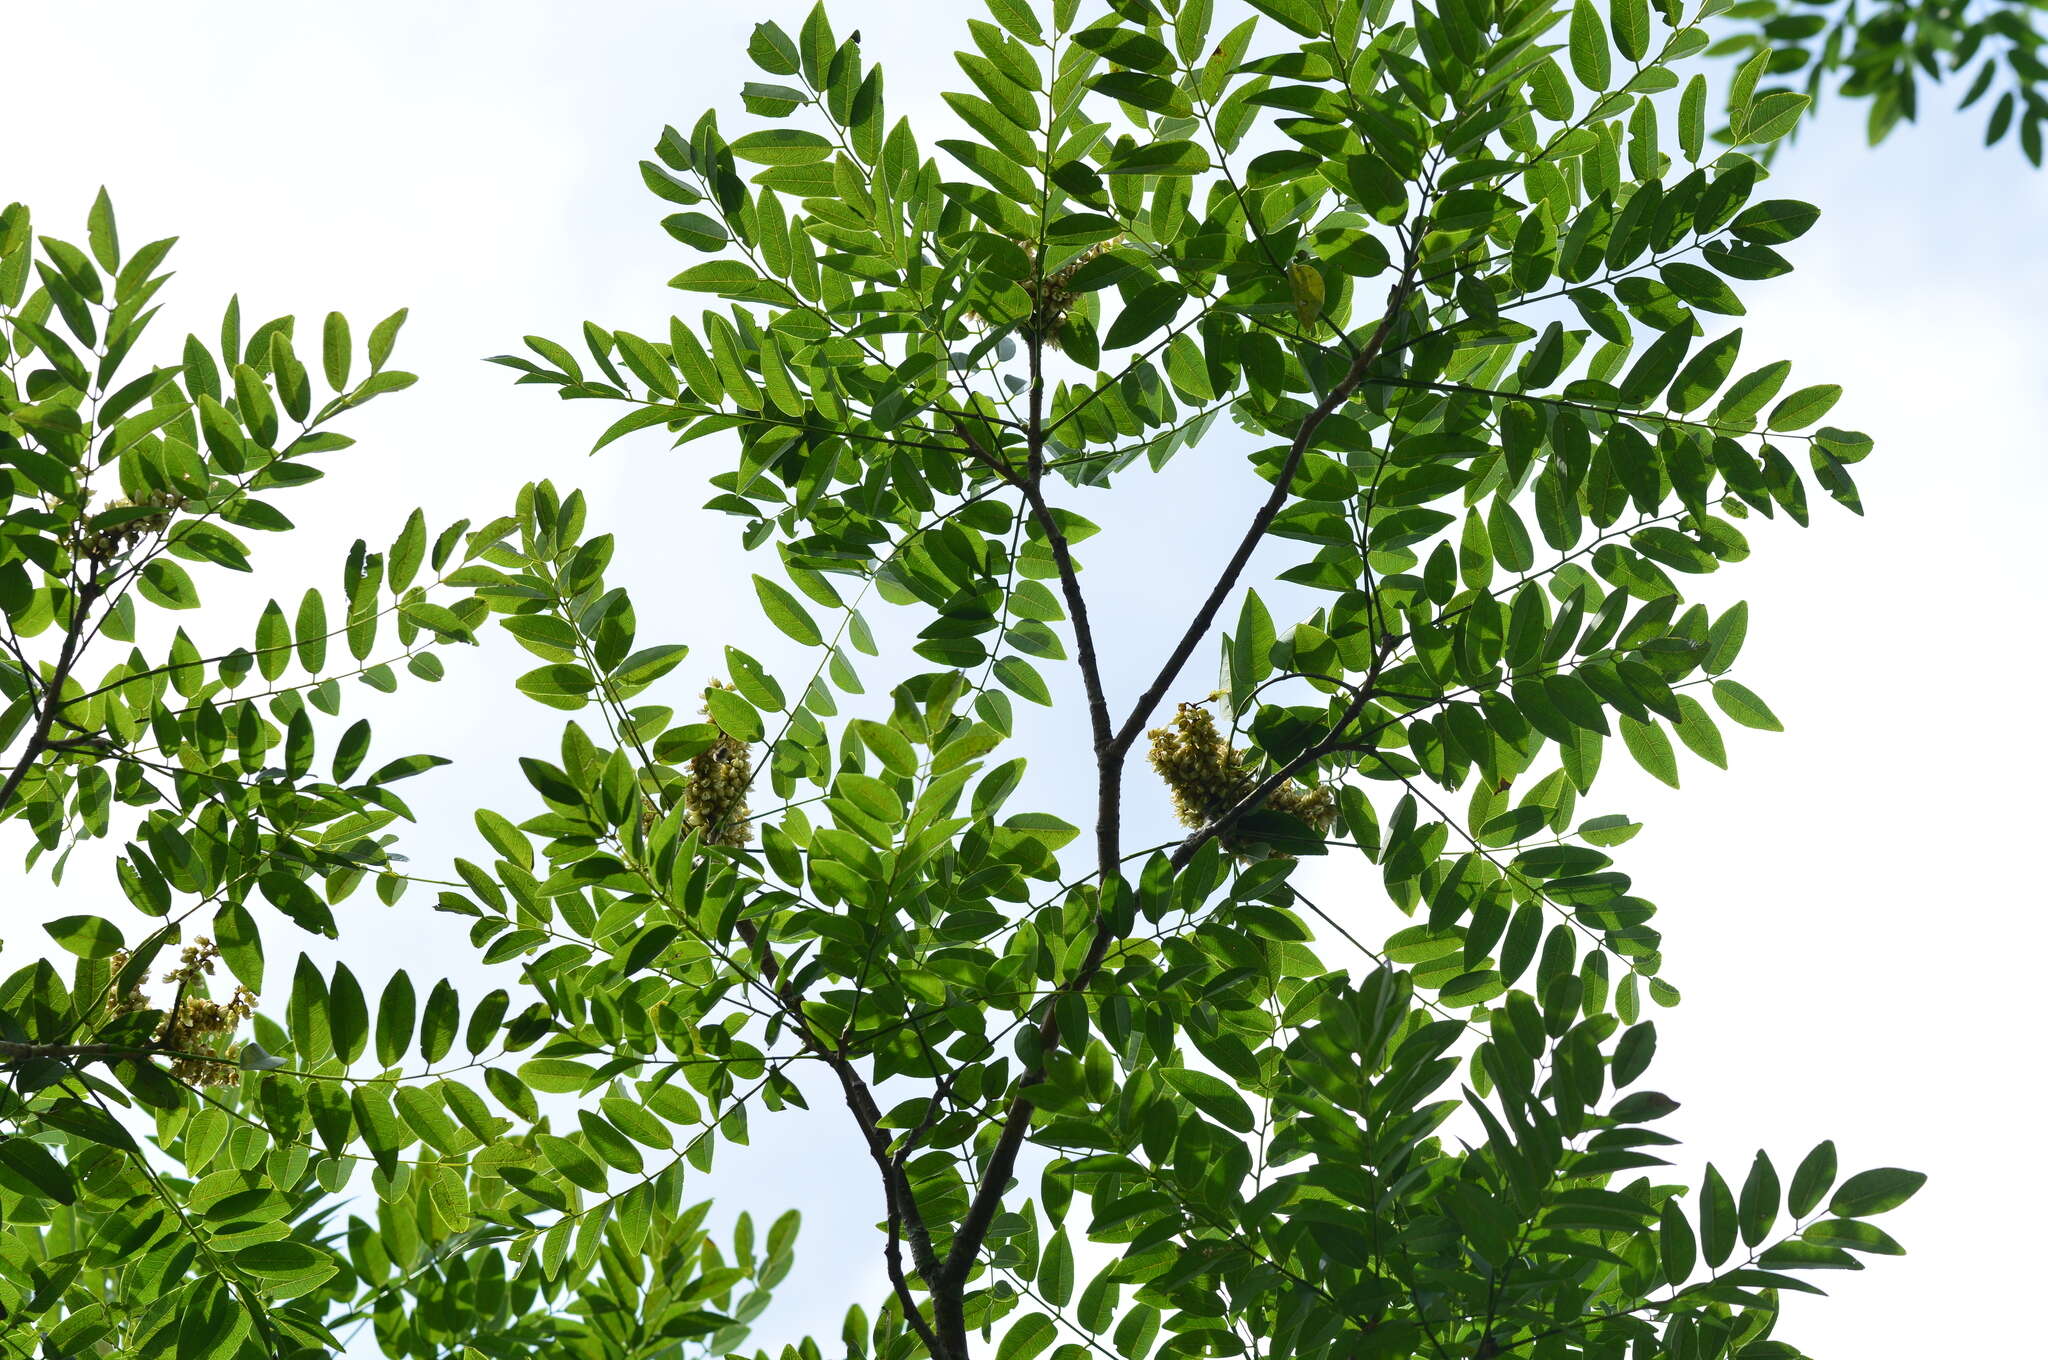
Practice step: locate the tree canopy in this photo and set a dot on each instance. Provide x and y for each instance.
(1464, 285)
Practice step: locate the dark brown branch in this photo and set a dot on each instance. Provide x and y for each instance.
(1030, 485)
(53, 691)
(1108, 829)
(1226, 582)
(988, 1196)
(1077, 610)
(904, 1217)
(12, 1051)
(18, 1052)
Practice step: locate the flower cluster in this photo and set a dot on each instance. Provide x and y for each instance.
(195, 963)
(716, 797)
(1317, 806)
(191, 1029)
(195, 1020)
(134, 998)
(1208, 777)
(1051, 302)
(100, 545)
(1049, 307)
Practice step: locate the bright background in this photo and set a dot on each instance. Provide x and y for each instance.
(1850, 910)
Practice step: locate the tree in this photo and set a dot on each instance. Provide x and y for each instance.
(1452, 283)
(1880, 54)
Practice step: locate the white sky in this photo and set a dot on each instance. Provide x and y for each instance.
(1850, 909)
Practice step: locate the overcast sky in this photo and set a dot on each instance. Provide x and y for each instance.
(1852, 911)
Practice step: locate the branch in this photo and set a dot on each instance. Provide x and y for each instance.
(1108, 822)
(1205, 617)
(901, 1201)
(1077, 609)
(11, 1051)
(1031, 485)
(53, 691)
(988, 1196)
